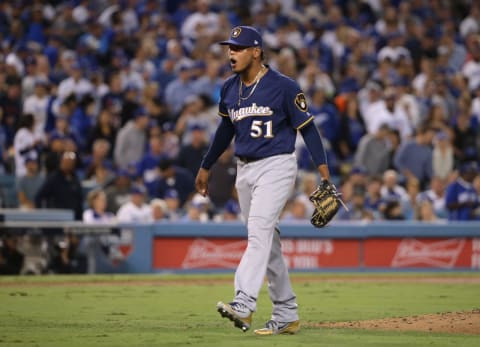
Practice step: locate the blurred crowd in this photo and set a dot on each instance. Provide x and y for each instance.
(107, 107)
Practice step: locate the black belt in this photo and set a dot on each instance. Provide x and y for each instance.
(248, 160)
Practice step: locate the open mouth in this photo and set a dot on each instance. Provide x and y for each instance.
(233, 62)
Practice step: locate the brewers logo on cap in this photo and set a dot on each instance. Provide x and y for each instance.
(244, 36)
(236, 32)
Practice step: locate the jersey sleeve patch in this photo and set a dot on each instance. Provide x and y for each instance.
(301, 102)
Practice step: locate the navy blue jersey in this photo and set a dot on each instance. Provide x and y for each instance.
(461, 191)
(265, 121)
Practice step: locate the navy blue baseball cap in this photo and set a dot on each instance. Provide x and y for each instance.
(138, 189)
(469, 167)
(244, 36)
(140, 112)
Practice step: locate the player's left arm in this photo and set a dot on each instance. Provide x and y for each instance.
(314, 143)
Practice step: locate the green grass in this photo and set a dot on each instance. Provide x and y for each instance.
(127, 311)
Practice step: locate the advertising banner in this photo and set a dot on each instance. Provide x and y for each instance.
(425, 253)
(202, 253)
(395, 253)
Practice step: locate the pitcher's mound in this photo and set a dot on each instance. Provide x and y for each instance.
(467, 322)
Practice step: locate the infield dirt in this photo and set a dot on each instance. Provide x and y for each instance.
(447, 322)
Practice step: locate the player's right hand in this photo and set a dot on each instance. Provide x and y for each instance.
(201, 182)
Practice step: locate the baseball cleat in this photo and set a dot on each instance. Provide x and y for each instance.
(275, 328)
(237, 312)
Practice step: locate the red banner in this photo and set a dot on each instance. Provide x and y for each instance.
(213, 253)
(405, 253)
(201, 253)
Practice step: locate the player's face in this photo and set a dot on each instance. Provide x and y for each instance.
(240, 58)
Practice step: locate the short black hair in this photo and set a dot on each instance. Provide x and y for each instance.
(165, 164)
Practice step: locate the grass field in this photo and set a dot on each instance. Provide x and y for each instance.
(180, 310)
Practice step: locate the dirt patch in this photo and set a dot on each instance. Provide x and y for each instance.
(467, 322)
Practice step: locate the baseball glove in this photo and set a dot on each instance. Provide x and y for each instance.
(326, 201)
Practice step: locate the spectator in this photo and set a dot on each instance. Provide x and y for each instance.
(393, 116)
(414, 157)
(67, 257)
(171, 141)
(135, 210)
(75, 84)
(461, 197)
(394, 51)
(312, 78)
(231, 212)
(471, 66)
(222, 179)
(142, 63)
(370, 100)
(393, 211)
(114, 99)
(37, 106)
(373, 153)
(191, 154)
(53, 153)
(201, 23)
(147, 167)
(373, 199)
(62, 189)
(476, 185)
(351, 130)
(435, 195)
(29, 77)
(470, 24)
(10, 107)
(443, 160)
(326, 116)
(357, 207)
(475, 105)
(197, 209)
(210, 81)
(408, 102)
(131, 140)
(96, 212)
(62, 129)
(26, 144)
(159, 210)
(194, 113)
(392, 191)
(98, 158)
(412, 186)
(118, 193)
(296, 210)
(425, 212)
(178, 90)
(172, 200)
(105, 130)
(131, 98)
(464, 144)
(81, 121)
(11, 259)
(177, 178)
(29, 184)
(154, 104)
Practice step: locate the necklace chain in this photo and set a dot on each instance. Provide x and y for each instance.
(256, 79)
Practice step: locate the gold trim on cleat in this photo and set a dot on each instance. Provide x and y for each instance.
(226, 311)
(290, 328)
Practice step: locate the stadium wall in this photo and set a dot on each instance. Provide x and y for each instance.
(218, 247)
